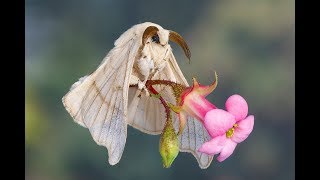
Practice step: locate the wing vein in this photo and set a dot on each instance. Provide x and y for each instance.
(109, 76)
(194, 130)
(85, 98)
(115, 128)
(112, 103)
(103, 101)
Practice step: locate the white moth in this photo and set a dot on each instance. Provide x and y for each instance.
(104, 103)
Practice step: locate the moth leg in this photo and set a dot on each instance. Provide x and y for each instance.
(157, 69)
(142, 87)
(154, 71)
(134, 80)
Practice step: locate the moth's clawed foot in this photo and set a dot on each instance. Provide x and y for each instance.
(142, 87)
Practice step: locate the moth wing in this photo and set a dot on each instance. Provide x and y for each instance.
(192, 137)
(148, 115)
(145, 113)
(99, 101)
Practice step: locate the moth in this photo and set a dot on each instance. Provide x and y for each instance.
(105, 103)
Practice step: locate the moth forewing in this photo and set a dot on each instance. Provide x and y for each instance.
(99, 102)
(191, 139)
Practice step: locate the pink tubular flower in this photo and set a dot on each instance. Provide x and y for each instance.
(227, 128)
(193, 102)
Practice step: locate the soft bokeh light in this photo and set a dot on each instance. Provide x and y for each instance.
(250, 44)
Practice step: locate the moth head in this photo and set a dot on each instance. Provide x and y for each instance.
(153, 34)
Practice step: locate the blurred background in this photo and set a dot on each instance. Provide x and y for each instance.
(251, 45)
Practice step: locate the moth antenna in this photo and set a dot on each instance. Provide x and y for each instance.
(177, 38)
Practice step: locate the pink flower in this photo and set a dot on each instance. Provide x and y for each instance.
(192, 102)
(227, 128)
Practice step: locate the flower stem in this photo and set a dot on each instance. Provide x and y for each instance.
(164, 103)
(176, 87)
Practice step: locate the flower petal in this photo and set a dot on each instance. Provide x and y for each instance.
(237, 106)
(197, 106)
(227, 150)
(205, 90)
(214, 146)
(218, 122)
(243, 129)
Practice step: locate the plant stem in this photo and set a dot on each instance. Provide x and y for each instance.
(164, 103)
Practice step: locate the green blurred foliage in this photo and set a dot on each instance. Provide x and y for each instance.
(249, 43)
(36, 123)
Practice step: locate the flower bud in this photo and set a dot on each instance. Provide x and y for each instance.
(169, 144)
